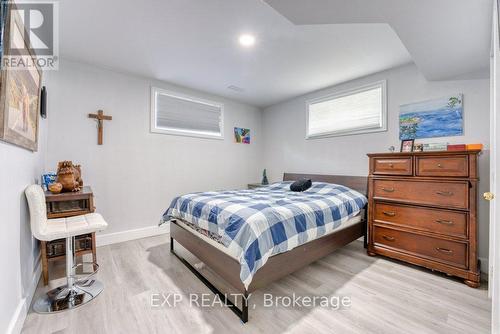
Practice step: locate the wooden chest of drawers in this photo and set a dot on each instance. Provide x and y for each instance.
(423, 210)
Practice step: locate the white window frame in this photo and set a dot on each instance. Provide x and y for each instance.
(383, 126)
(179, 132)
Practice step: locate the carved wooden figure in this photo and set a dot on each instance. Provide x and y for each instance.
(70, 176)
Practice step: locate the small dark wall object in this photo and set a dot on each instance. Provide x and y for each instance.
(301, 185)
(43, 102)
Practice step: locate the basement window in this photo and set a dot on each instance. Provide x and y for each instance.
(356, 111)
(179, 114)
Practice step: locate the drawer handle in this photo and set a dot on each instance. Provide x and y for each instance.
(389, 213)
(388, 190)
(388, 238)
(444, 250)
(444, 193)
(391, 165)
(440, 166)
(444, 222)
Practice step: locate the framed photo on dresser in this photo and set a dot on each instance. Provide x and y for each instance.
(407, 145)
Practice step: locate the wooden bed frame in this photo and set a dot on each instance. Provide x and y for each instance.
(277, 266)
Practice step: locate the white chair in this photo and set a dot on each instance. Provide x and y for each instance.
(76, 292)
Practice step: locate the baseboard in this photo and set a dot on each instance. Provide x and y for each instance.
(113, 238)
(17, 321)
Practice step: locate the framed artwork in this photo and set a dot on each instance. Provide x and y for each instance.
(242, 135)
(441, 117)
(407, 145)
(418, 147)
(19, 89)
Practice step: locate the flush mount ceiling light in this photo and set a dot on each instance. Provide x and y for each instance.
(247, 40)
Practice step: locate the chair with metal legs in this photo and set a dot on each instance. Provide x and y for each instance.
(76, 292)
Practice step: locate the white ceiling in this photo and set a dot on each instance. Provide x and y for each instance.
(195, 42)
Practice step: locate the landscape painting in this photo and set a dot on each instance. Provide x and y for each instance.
(242, 135)
(441, 117)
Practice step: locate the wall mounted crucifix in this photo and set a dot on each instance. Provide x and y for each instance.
(100, 117)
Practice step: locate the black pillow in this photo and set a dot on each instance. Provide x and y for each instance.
(301, 185)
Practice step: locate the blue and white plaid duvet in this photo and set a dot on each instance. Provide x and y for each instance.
(256, 224)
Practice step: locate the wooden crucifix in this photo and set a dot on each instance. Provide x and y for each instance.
(100, 117)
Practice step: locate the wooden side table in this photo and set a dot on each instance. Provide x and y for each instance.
(61, 206)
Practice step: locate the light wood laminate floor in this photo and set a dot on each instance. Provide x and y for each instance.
(387, 297)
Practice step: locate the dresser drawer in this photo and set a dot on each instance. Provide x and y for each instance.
(445, 194)
(393, 166)
(450, 252)
(444, 222)
(457, 165)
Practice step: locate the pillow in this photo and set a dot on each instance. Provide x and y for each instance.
(301, 185)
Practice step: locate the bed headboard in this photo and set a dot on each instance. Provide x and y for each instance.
(358, 183)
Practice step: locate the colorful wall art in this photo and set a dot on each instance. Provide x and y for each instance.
(242, 135)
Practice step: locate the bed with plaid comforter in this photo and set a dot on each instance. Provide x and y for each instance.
(259, 223)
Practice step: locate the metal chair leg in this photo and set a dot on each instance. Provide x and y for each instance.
(72, 295)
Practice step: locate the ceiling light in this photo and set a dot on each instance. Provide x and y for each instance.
(247, 40)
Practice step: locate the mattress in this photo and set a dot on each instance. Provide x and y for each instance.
(260, 223)
(233, 253)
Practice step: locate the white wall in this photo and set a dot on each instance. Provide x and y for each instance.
(136, 174)
(287, 150)
(19, 256)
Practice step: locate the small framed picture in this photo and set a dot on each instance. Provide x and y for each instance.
(418, 147)
(407, 145)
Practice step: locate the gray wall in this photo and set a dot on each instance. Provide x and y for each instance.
(19, 255)
(136, 174)
(286, 148)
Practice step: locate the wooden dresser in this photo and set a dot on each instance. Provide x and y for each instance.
(423, 210)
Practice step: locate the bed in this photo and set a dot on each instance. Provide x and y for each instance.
(248, 269)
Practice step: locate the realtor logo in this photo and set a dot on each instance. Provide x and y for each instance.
(29, 34)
